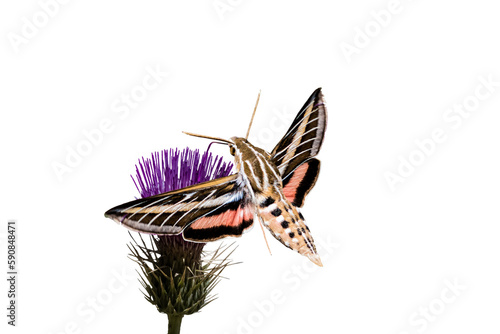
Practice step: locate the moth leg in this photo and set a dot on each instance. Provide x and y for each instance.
(264, 233)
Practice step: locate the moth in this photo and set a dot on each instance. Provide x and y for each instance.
(268, 187)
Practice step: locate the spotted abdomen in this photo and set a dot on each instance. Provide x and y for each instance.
(287, 225)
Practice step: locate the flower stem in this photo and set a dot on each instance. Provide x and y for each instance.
(174, 324)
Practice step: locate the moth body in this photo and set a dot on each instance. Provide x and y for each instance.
(271, 206)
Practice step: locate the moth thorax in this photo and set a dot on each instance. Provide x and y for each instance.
(255, 164)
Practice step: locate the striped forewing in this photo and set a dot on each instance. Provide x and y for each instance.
(174, 211)
(303, 139)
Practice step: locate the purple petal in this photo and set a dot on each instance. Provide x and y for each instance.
(174, 169)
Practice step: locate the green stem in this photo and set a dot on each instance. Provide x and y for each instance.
(174, 324)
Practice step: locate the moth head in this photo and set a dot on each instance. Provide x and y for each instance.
(237, 145)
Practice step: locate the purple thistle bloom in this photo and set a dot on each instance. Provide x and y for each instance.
(174, 169)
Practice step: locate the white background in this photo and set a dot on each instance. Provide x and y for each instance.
(389, 252)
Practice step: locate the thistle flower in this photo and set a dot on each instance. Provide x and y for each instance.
(177, 276)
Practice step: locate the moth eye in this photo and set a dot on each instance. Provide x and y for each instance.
(232, 151)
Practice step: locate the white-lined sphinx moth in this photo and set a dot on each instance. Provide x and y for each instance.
(268, 186)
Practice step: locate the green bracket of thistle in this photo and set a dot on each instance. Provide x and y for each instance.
(177, 276)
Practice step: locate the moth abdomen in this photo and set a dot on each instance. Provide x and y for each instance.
(287, 225)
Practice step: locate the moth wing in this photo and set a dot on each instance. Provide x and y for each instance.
(300, 181)
(303, 139)
(174, 211)
(222, 223)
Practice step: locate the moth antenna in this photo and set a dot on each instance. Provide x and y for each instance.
(264, 234)
(253, 114)
(207, 137)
